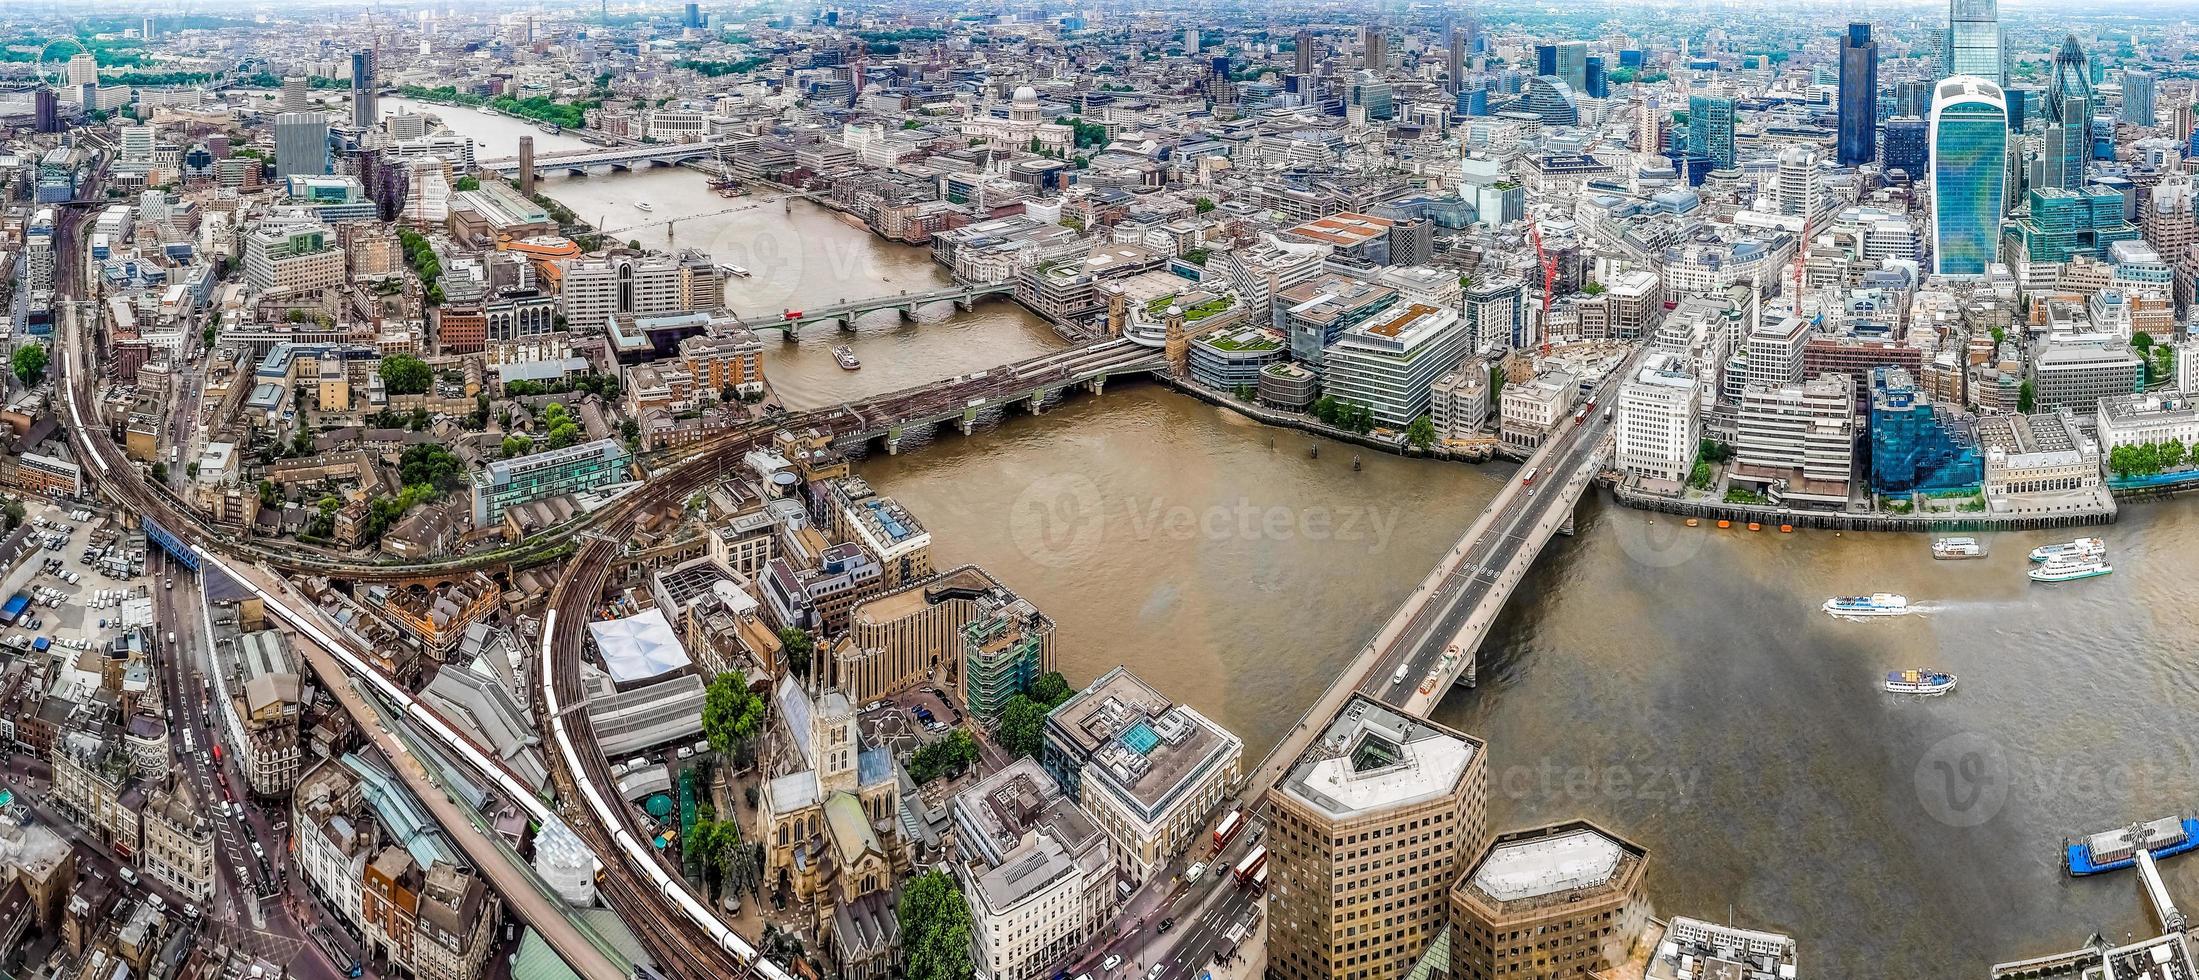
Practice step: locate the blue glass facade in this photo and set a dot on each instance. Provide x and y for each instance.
(1858, 96)
(1913, 446)
(1969, 172)
(1710, 129)
(1908, 146)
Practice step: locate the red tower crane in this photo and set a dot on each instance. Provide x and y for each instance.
(1549, 276)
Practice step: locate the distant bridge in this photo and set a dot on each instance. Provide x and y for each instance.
(612, 157)
(845, 312)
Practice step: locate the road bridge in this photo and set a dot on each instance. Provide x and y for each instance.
(1430, 642)
(845, 312)
(611, 157)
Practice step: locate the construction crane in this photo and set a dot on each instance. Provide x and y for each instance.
(1549, 276)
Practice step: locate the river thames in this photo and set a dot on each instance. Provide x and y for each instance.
(1679, 686)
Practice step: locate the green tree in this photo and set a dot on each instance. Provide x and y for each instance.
(14, 512)
(1203, 205)
(160, 472)
(404, 374)
(796, 646)
(2142, 341)
(2174, 453)
(946, 757)
(1051, 689)
(268, 497)
(1022, 726)
(517, 445)
(1421, 433)
(935, 928)
(1496, 383)
(2027, 396)
(731, 713)
(466, 183)
(30, 363)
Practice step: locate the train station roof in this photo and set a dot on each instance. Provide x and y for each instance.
(639, 647)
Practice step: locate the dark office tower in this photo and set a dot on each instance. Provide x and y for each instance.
(1858, 96)
(2068, 119)
(1374, 46)
(46, 106)
(1455, 63)
(362, 89)
(1546, 59)
(1908, 145)
(1305, 52)
(526, 166)
(1599, 87)
(694, 16)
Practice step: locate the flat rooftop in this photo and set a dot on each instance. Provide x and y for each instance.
(1371, 756)
(1555, 865)
(1141, 747)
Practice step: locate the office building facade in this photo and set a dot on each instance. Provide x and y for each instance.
(1917, 445)
(301, 144)
(1559, 901)
(1974, 40)
(1659, 419)
(1858, 96)
(1710, 129)
(1368, 832)
(1969, 167)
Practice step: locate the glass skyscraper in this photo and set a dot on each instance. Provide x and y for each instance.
(1969, 170)
(1858, 96)
(2068, 120)
(1710, 129)
(1973, 39)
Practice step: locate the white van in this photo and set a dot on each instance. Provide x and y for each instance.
(1399, 677)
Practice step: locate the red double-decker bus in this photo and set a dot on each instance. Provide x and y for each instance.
(1252, 865)
(1231, 826)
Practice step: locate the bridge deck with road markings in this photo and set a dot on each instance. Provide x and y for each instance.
(1450, 611)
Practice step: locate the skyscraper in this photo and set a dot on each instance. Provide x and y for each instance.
(1969, 168)
(83, 69)
(1710, 129)
(1973, 40)
(301, 144)
(526, 166)
(362, 89)
(1568, 61)
(1858, 96)
(2137, 97)
(1455, 60)
(2068, 120)
(1374, 46)
(1305, 52)
(296, 94)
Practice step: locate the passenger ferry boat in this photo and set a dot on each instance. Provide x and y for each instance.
(644, 206)
(1875, 604)
(732, 270)
(2070, 571)
(2114, 850)
(1956, 549)
(2080, 548)
(1919, 680)
(846, 358)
